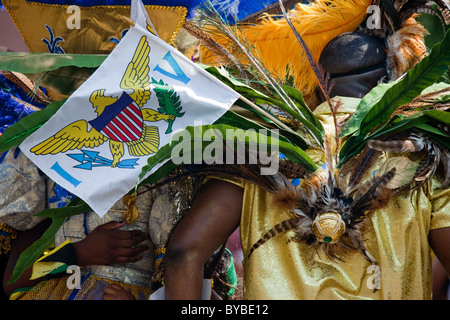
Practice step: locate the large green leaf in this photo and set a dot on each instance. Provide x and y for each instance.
(64, 80)
(192, 144)
(233, 119)
(36, 62)
(14, 135)
(418, 121)
(306, 117)
(369, 100)
(438, 115)
(379, 104)
(35, 251)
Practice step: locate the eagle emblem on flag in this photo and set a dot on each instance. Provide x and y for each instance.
(121, 120)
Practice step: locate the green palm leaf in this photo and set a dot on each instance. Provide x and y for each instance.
(192, 147)
(36, 62)
(14, 135)
(307, 118)
(379, 104)
(373, 117)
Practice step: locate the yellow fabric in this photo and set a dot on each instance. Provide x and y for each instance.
(397, 236)
(41, 268)
(317, 23)
(97, 25)
(91, 288)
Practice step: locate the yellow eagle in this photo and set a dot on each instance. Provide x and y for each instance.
(119, 120)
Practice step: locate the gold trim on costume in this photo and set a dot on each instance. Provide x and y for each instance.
(5, 240)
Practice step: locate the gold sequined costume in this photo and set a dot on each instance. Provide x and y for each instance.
(397, 236)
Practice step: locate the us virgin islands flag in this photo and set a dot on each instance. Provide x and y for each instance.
(97, 143)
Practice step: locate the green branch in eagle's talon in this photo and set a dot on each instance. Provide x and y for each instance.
(169, 101)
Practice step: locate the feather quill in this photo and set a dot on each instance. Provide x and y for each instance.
(283, 226)
(375, 188)
(408, 145)
(365, 162)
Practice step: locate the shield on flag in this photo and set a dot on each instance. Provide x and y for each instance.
(97, 143)
(124, 123)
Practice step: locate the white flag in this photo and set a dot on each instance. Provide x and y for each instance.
(97, 143)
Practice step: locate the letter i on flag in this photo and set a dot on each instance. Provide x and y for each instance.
(97, 143)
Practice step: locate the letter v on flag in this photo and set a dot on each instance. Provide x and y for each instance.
(97, 143)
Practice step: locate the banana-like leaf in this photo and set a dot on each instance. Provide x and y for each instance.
(438, 115)
(63, 81)
(233, 119)
(14, 135)
(418, 121)
(36, 62)
(379, 104)
(196, 144)
(307, 118)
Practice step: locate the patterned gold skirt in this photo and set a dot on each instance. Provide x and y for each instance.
(91, 288)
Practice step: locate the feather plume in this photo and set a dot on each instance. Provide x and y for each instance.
(328, 154)
(317, 23)
(444, 9)
(291, 169)
(446, 164)
(268, 10)
(428, 165)
(208, 41)
(355, 235)
(231, 37)
(286, 195)
(405, 48)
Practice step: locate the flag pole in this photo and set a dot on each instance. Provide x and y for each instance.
(127, 20)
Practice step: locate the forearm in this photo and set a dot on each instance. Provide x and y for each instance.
(208, 224)
(183, 279)
(439, 240)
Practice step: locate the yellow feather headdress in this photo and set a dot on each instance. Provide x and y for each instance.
(276, 46)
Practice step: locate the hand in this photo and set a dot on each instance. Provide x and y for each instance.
(108, 245)
(116, 292)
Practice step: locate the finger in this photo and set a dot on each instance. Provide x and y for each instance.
(116, 292)
(130, 252)
(124, 259)
(111, 288)
(133, 242)
(112, 225)
(126, 235)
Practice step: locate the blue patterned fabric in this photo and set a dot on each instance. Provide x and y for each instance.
(11, 110)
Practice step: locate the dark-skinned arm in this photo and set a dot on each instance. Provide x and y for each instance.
(211, 220)
(439, 241)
